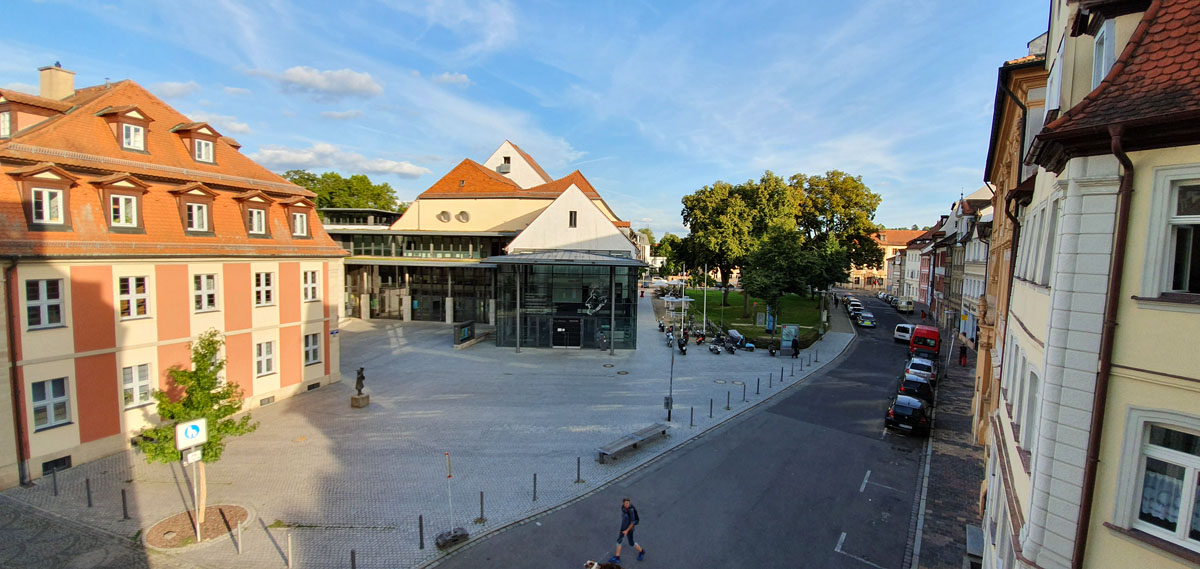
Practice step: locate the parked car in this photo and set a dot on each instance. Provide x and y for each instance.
(893, 300)
(866, 319)
(903, 333)
(908, 414)
(925, 342)
(854, 308)
(915, 386)
(905, 305)
(922, 367)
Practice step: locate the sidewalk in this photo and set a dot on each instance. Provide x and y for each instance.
(956, 465)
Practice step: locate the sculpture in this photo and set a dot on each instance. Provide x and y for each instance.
(358, 382)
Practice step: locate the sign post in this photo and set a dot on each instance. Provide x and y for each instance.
(188, 437)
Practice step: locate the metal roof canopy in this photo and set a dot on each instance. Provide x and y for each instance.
(565, 258)
(416, 263)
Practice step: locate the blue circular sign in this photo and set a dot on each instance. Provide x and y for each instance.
(191, 432)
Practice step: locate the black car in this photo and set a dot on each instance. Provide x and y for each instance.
(908, 414)
(915, 386)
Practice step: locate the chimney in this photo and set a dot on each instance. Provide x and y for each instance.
(57, 83)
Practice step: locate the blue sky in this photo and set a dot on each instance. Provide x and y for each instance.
(650, 100)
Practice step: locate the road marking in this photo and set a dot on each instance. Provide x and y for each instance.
(864, 484)
(838, 549)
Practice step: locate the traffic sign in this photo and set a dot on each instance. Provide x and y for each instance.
(191, 434)
(190, 457)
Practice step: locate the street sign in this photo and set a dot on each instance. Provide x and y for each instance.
(964, 318)
(666, 402)
(191, 434)
(190, 457)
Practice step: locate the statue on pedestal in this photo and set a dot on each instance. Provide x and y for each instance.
(358, 382)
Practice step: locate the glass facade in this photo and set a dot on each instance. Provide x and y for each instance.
(421, 246)
(567, 306)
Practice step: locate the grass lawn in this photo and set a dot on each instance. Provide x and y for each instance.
(796, 310)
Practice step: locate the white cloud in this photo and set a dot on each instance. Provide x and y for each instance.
(236, 91)
(23, 87)
(325, 155)
(341, 115)
(325, 84)
(226, 124)
(448, 78)
(483, 26)
(174, 89)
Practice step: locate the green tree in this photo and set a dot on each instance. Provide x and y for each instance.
(201, 394)
(720, 230)
(839, 206)
(357, 191)
(669, 247)
(649, 235)
(781, 265)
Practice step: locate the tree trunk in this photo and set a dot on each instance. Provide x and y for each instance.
(202, 503)
(724, 289)
(745, 304)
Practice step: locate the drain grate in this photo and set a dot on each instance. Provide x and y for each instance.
(622, 372)
(609, 365)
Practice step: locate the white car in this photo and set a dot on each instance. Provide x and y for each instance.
(922, 367)
(903, 333)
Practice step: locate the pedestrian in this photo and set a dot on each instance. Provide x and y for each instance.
(962, 355)
(629, 520)
(795, 347)
(922, 316)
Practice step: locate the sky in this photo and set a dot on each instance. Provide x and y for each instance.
(649, 100)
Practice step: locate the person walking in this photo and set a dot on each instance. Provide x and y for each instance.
(629, 520)
(962, 355)
(795, 347)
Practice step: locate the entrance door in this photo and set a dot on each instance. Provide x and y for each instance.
(567, 333)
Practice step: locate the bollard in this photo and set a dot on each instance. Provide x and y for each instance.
(54, 477)
(809, 360)
(793, 370)
(727, 406)
(421, 532)
(481, 520)
(534, 486)
(124, 506)
(692, 417)
(289, 549)
(801, 364)
(818, 354)
(780, 374)
(578, 478)
(757, 384)
(770, 384)
(353, 562)
(87, 484)
(710, 407)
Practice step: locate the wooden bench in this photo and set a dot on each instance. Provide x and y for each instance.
(632, 440)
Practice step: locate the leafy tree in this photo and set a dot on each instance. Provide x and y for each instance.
(201, 394)
(839, 206)
(781, 265)
(357, 191)
(720, 230)
(914, 227)
(671, 248)
(649, 235)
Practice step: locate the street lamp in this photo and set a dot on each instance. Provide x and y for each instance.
(671, 388)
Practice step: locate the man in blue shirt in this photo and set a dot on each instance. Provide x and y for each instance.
(629, 520)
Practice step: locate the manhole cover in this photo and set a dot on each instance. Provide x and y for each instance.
(609, 365)
(719, 381)
(622, 373)
(739, 383)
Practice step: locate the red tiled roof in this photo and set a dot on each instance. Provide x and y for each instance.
(898, 237)
(532, 163)
(1155, 83)
(470, 180)
(34, 100)
(553, 189)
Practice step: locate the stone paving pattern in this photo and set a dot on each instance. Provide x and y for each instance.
(336, 478)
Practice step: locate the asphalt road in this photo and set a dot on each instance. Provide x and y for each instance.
(785, 485)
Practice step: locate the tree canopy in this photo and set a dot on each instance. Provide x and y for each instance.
(357, 191)
(649, 235)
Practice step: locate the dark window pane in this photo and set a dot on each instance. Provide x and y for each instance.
(33, 290)
(1175, 440)
(1188, 201)
(52, 289)
(34, 313)
(54, 314)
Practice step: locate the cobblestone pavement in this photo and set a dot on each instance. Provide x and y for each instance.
(321, 478)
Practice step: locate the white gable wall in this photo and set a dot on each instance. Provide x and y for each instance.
(593, 230)
(520, 170)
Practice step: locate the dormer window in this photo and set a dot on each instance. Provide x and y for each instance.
(5, 124)
(255, 211)
(124, 211)
(256, 221)
(47, 206)
(195, 208)
(300, 224)
(298, 209)
(200, 140)
(45, 195)
(134, 137)
(122, 193)
(128, 124)
(204, 151)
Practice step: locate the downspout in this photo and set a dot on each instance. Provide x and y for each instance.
(1104, 372)
(17, 399)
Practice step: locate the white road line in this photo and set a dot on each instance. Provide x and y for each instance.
(864, 484)
(841, 540)
(885, 486)
(838, 549)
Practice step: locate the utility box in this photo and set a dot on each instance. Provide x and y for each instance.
(464, 332)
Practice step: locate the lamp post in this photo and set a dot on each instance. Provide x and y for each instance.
(671, 388)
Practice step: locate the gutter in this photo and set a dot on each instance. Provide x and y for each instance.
(17, 399)
(1104, 371)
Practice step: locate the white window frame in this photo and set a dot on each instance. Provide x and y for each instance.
(5, 124)
(42, 303)
(133, 137)
(264, 358)
(50, 201)
(264, 289)
(132, 297)
(1054, 82)
(204, 150)
(256, 221)
(310, 289)
(300, 224)
(1160, 255)
(1132, 470)
(49, 401)
(197, 216)
(1103, 52)
(1046, 266)
(136, 389)
(312, 349)
(204, 292)
(122, 210)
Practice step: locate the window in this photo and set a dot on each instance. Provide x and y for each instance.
(123, 211)
(1185, 240)
(133, 137)
(51, 404)
(204, 292)
(1103, 53)
(1043, 277)
(1054, 83)
(133, 299)
(135, 385)
(508, 159)
(299, 223)
(572, 218)
(257, 221)
(309, 286)
(204, 150)
(5, 124)
(1168, 504)
(43, 303)
(47, 205)
(312, 349)
(264, 358)
(197, 217)
(264, 289)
